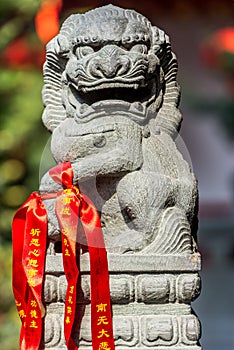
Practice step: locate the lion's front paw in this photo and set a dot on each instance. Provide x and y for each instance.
(48, 185)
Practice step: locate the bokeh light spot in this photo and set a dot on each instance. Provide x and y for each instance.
(12, 170)
(6, 140)
(15, 195)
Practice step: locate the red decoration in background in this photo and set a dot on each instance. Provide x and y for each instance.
(225, 38)
(29, 246)
(217, 52)
(215, 49)
(21, 54)
(47, 20)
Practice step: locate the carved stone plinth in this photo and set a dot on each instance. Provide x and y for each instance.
(151, 296)
(111, 102)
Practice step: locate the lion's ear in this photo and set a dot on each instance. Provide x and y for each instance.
(63, 46)
(54, 112)
(159, 37)
(168, 118)
(57, 54)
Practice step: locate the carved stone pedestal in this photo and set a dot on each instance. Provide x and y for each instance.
(151, 296)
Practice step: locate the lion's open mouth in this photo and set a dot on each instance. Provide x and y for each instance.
(111, 99)
(127, 94)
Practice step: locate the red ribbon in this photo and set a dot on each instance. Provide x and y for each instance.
(71, 206)
(29, 245)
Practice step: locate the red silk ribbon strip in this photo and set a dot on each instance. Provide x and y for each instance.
(70, 205)
(101, 318)
(29, 232)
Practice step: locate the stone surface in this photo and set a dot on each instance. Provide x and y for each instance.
(111, 102)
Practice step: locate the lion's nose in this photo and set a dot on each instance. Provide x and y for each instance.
(108, 68)
(110, 63)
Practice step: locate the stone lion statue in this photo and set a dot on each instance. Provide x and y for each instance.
(111, 102)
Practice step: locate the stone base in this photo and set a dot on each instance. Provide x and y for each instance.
(134, 263)
(151, 297)
(176, 327)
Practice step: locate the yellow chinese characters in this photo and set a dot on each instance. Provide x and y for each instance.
(33, 313)
(66, 211)
(33, 303)
(104, 346)
(35, 242)
(69, 310)
(102, 320)
(101, 307)
(103, 333)
(67, 191)
(32, 273)
(66, 253)
(67, 200)
(65, 232)
(33, 324)
(68, 320)
(35, 232)
(31, 282)
(70, 301)
(34, 252)
(71, 291)
(21, 313)
(65, 242)
(33, 262)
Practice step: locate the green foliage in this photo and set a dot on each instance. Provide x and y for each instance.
(25, 7)
(9, 322)
(16, 19)
(22, 141)
(22, 106)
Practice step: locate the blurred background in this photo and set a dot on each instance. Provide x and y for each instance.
(202, 36)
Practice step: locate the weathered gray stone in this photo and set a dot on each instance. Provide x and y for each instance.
(111, 102)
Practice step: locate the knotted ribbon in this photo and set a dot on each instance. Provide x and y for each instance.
(73, 210)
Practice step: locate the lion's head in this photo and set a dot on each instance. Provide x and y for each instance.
(107, 61)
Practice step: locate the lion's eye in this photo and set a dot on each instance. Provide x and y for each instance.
(139, 48)
(84, 51)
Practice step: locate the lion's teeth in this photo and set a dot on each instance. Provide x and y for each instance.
(83, 108)
(138, 106)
